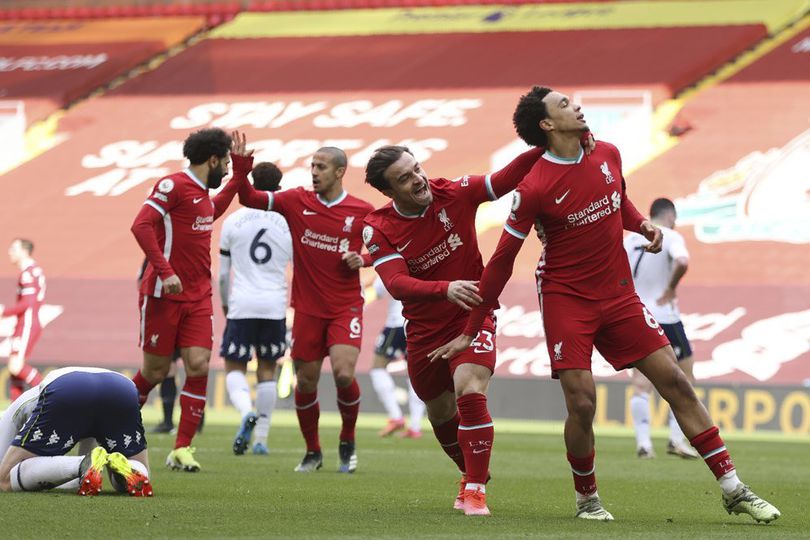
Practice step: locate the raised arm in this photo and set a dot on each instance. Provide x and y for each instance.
(242, 165)
(505, 180)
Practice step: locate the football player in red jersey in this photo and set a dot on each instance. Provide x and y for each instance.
(30, 296)
(174, 228)
(325, 225)
(425, 249)
(580, 207)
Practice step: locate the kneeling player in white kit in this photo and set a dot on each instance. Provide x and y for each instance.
(656, 277)
(255, 249)
(70, 405)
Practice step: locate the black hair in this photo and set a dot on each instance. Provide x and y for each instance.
(383, 157)
(338, 156)
(530, 111)
(659, 206)
(266, 176)
(202, 144)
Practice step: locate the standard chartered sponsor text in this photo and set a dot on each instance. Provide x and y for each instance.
(436, 254)
(321, 241)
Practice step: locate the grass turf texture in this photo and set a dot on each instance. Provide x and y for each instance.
(405, 488)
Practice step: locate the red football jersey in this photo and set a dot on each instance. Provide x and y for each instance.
(184, 236)
(440, 244)
(323, 285)
(30, 296)
(577, 205)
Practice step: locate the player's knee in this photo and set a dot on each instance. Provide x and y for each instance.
(343, 379)
(583, 407)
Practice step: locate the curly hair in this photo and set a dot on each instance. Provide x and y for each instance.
(530, 111)
(266, 176)
(383, 157)
(202, 144)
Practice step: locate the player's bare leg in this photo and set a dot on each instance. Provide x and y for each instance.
(442, 412)
(640, 411)
(677, 444)
(580, 400)
(192, 407)
(661, 369)
(266, 394)
(475, 433)
(308, 411)
(344, 360)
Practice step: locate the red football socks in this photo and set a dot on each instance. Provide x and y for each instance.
(143, 386)
(475, 436)
(308, 412)
(192, 407)
(447, 435)
(712, 449)
(30, 375)
(348, 402)
(584, 473)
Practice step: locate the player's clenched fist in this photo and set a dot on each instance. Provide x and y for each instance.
(172, 285)
(464, 294)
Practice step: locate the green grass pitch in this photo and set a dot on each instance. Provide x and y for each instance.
(405, 489)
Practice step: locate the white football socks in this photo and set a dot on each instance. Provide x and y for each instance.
(384, 387)
(265, 403)
(44, 472)
(675, 433)
(239, 392)
(640, 410)
(417, 409)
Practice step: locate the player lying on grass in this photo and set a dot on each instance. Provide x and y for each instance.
(70, 405)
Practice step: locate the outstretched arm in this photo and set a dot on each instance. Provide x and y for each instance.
(494, 279)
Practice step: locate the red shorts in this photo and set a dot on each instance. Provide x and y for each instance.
(621, 329)
(431, 379)
(312, 336)
(26, 334)
(167, 325)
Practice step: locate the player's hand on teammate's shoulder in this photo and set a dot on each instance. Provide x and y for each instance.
(464, 294)
(239, 144)
(353, 260)
(449, 350)
(654, 235)
(172, 285)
